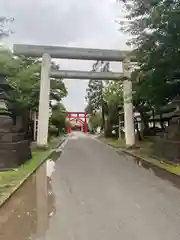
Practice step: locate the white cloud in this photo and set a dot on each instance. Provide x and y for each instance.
(79, 23)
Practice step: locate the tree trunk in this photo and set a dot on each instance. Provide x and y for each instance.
(27, 127)
(108, 129)
(161, 122)
(137, 129)
(153, 115)
(103, 117)
(145, 122)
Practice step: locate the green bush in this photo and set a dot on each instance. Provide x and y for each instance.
(53, 131)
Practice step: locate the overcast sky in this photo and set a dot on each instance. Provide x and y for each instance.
(82, 23)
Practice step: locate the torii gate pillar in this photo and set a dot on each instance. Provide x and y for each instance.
(43, 118)
(69, 129)
(128, 105)
(84, 54)
(85, 124)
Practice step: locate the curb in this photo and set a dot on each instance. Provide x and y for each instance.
(119, 150)
(15, 189)
(148, 162)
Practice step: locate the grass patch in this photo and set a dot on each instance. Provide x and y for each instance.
(10, 180)
(116, 143)
(161, 163)
(145, 153)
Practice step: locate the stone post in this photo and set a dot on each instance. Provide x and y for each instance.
(43, 115)
(128, 106)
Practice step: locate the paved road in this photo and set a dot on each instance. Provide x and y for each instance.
(93, 193)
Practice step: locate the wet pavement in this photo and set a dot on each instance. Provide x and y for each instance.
(91, 192)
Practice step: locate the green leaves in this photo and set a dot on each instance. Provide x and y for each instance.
(104, 98)
(95, 121)
(58, 90)
(4, 32)
(95, 94)
(113, 93)
(24, 77)
(58, 117)
(155, 29)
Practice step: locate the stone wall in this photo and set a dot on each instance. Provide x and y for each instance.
(167, 149)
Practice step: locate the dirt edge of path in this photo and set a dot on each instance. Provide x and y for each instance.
(29, 174)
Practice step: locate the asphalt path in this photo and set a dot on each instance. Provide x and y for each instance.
(91, 192)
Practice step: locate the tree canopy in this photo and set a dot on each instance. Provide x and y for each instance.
(95, 90)
(24, 78)
(154, 29)
(23, 75)
(4, 32)
(58, 117)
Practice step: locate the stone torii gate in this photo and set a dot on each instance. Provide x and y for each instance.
(48, 52)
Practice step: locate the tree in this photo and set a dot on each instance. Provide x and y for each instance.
(95, 91)
(58, 88)
(89, 108)
(58, 117)
(113, 95)
(3, 31)
(95, 121)
(94, 94)
(154, 27)
(24, 78)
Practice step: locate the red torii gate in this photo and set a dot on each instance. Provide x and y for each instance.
(77, 115)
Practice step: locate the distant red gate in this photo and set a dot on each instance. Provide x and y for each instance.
(81, 117)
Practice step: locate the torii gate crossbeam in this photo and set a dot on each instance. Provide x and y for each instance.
(70, 52)
(46, 52)
(67, 74)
